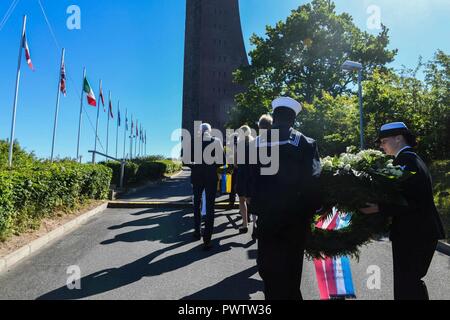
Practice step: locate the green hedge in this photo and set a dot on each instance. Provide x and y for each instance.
(31, 193)
(440, 170)
(143, 169)
(130, 175)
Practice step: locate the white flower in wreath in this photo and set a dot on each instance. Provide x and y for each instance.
(327, 164)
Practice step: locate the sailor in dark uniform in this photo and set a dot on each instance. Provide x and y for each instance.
(416, 227)
(284, 202)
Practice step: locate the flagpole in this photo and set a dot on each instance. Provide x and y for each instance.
(139, 140)
(135, 142)
(81, 115)
(117, 130)
(125, 134)
(96, 126)
(131, 138)
(107, 129)
(58, 95)
(16, 94)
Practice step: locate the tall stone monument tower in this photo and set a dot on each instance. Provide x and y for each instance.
(214, 49)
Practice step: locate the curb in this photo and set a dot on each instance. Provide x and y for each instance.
(443, 248)
(7, 262)
(176, 174)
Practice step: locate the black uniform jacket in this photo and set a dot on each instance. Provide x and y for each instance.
(419, 220)
(286, 201)
(205, 172)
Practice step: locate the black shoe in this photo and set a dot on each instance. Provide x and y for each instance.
(207, 245)
(243, 230)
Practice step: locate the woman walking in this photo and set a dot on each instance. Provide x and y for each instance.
(242, 164)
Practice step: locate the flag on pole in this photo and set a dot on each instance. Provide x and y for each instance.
(137, 129)
(119, 120)
(62, 84)
(126, 122)
(27, 52)
(132, 126)
(89, 93)
(102, 99)
(111, 114)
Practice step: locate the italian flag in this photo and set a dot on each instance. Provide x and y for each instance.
(90, 93)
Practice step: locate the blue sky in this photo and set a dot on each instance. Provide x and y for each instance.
(136, 47)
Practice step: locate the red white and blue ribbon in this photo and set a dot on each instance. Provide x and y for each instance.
(334, 275)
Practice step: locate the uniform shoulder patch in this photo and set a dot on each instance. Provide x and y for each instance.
(295, 137)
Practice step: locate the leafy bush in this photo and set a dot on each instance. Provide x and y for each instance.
(440, 171)
(21, 158)
(130, 174)
(37, 190)
(143, 169)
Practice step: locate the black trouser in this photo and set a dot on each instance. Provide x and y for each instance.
(411, 264)
(232, 198)
(210, 188)
(280, 264)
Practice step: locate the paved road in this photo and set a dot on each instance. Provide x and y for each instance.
(150, 254)
(175, 189)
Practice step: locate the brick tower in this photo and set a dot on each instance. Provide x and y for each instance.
(214, 49)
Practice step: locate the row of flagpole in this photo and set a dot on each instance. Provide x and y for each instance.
(136, 132)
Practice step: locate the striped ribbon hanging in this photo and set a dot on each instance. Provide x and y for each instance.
(334, 276)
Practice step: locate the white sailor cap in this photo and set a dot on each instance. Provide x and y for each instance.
(205, 127)
(286, 102)
(397, 129)
(394, 126)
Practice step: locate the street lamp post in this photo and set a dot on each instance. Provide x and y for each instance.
(356, 66)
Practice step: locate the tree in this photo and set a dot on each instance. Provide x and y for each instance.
(332, 121)
(302, 58)
(423, 105)
(437, 79)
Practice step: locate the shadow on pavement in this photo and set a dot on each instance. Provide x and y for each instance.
(114, 278)
(174, 229)
(237, 287)
(169, 228)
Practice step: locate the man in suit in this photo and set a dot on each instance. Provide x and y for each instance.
(416, 227)
(204, 178)
(284, 202)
